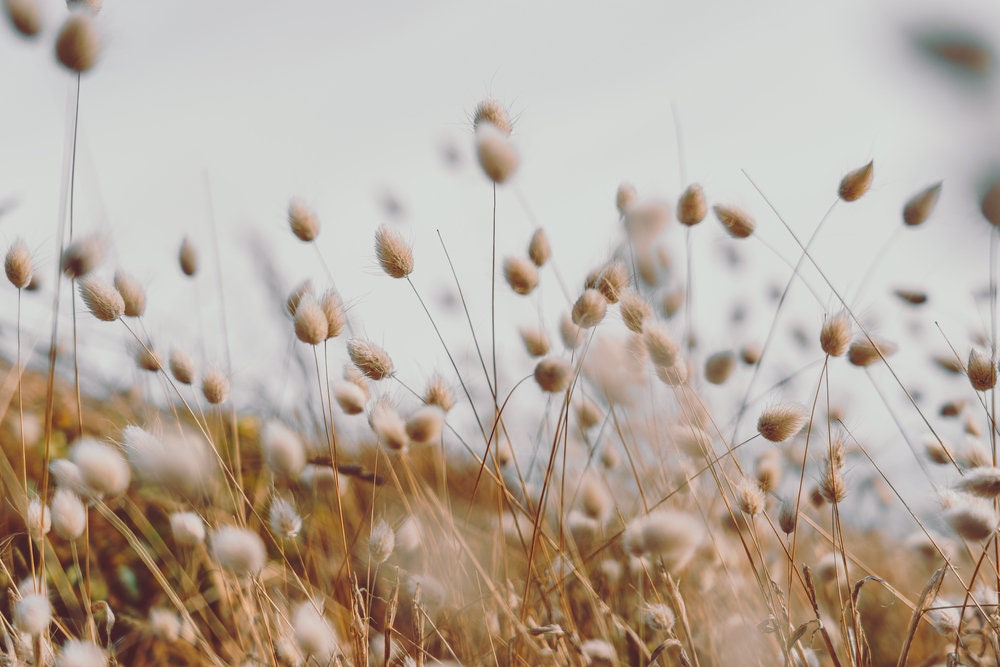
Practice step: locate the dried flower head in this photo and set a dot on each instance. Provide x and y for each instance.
(973, 519)
(215, 386)
(238, 550)
(865, 352)
(856, 183)
(719, 366)
(333, 310)
(102, 299)
(102, 467)
(181, 366)
(520, 274)
(981, 370)
(381, 542)
(535, 341)
(311, 325)
(69, 516)
(691, 207)
(493, 112)
(610, 279)
(982, 481)
(835, 336)
(663, 351)
(425, 424)
(832, 486)
(749, 496)
(303, 221)
(132, 292)
(780, 422)
(18, 264)
(388, 426)
(82, 256)
(589, 309)
(439, 394)
(496, 154)
(553, 374)
(737, 222)
(635, 310)
(188, 257)
(283, 518)
(78, 45)
(25, 16)
(187, 528)
(921, 205)
(539, 249)
(395, 255)
(370, 359)
(32, 614)
(283, 450)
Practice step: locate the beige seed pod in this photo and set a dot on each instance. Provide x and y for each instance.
(691, 207)
(635, 310)
(147, 358)
(355, 376)
(496, 154)
(393, 253)
(865, 352)
(388, 426)
(662, 349)
(350, 398)
(132, 294)
(492, 111)
(749, 496)
(181, 366)
(535, 341)
(982, 371)
(188, 257)
(310, 321)
(921, 205)
(856, 183)
(102, 299)
(439, 393)
(553, 374)
(78, 45)
(719, 366)
(295, 296)
(983, 481)
(625, 197)
(539, 249)
(672, 302)
(780, 422)
(787, 518)
(990, 205)
(82, 256)
(25, 16)
(610, 279)
(215, 386)
(425, 424)
(569, 332)
(835, 336)
(17, 264)
(588, 414)
(303, 221)
(520, 274)
(333, 310)
(750, 354)
(937, 451)
(589, 309)
(737, 222)
(370, 359)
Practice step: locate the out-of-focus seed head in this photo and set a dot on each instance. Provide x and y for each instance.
(82, 256)
(147, 358)
(983, 481)
(589, 309)
(553, 374)
(81, 653)
(311, 325)
(973, 519)
(937, 451)
(215, 386)
(333, 310)
(692, 207)
(284, 452)
(388, 426)
(69, 516)
(787, 517)
(187, 528)
(737, 222)
(17, 264)
(439, 393)
(856, 183)
(165, 624)
(981, 370)
(314, 635)
(102, 467)
(493, 112)
(425, 424)
(77, 45)
(719, 366)
(990, 205)
(865, 352)
(832, 485)
(38, 519)
(350, 398)
(32, 614)
(635, 310)
(672, 302)
(381, 542)
(921, 205)
(610, 279)
(588, 414)
(780, 422)
(188, 257)
(539, 249)
(25, 16)
(913, 297)
(749, 496)
(496, 153)
(767, 470)
(296, 295)
(303, 221)
(284, 520)
(238, 550)
(569, 332)
(535, 341)
(370, 359)
(750, 354)
(394, 254)
(835, 336)
(625, 197)
(181, 366)
(132, 292)
(662, 348)
(520, 274)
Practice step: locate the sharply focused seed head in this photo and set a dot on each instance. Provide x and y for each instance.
(215, 386)
(832, 485)
(780, 422)
(492, 111)
(132, 292)
(78, 45)
(535, 341)
(82, 256)
(102, 299)
(719, 366)
(691, 207)
(553, 374)
(737, 222)
(635, 310)
(284, 519)
(856, 183)
(181, 366)
(981, 370)
(370, 359)
(394, 254)
(539, 249)
(17, 264)
(657, 616)
(496, 153)
(238, 550)
(921, 205)
(311, 325)
(188, 257)
(835, 336)
(589, 309)
(520, 274)
(865, 352)
(303, 221)
(333, 310)
(25, 16)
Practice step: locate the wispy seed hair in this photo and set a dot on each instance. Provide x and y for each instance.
(295, 296)
(333, 309)
(439, 393)
(370, 359)
(393, 253)
(856, 183)
(492, 111)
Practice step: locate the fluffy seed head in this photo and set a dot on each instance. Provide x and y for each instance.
(181, 366)
(787, 518)
(719, 366)
(187, 528)
(32, 614)
(610, 279)
(865, 352)
(80, 653)
(188, 257)
(439, 393)
(691, 440)
(238, 550)
(535, 341)
(381, 542)
(634, 309)
(102, 299)
(750, 497)
(296, 295)
(588, 414)
(284, 453)
(662, 349)
(215, 386)
(496, 154)
(672, 302)
(589, 309)
(593, 498)
(767, 470)
(17, 264)
(539, 249)
(921, 205)
(78, 45)
(69, 516)
(284, 520)
(520, 274)
(737, 222)
(945, 617)
(856, 183)
(333, 310)
(424, 425)
(553, 374)
(670, 534)
(165, 624)
(691, 207)
(102, 467)
(569, 332)
(657, 616)
(394, 254)
(982, 371)
(780, 422)
(25, 16)
(313, 633)
(350, 398)
(972, 519)
(147, 358)
(625, 196)
(937, 451)
(132, 292)
(38, 520)
(311, 326)
(370, 359)
(82, 256)
(388, 426)
(303, 221)
(835, 336)
(493, 112)
(983, 482)
(990, 205)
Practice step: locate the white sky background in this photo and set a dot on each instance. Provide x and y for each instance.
(339, 103)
